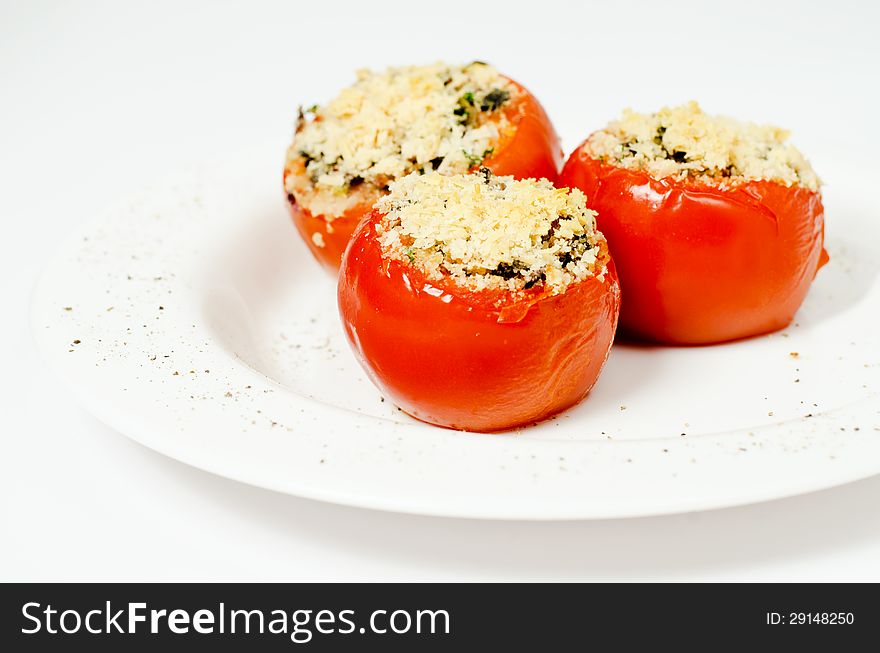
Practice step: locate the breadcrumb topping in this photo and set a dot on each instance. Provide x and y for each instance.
(685, 142)
(389, 124)
(485, 231)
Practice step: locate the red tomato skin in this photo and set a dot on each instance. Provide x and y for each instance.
(532, 150)
(440, 353)
(698, 264)
(334, 234)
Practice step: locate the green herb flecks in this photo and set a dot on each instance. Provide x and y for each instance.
(465, 107)
(580, 245)
(494, 99)
(658, 138)
(472, 159)
(475, 160)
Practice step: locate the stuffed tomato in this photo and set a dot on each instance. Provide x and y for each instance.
(716, 226)
(478, 302)
(443, 118)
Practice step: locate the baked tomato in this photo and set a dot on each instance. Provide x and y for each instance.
(701, 262)
(485, 359)
(445, 118)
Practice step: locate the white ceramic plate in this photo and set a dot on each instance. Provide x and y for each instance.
(193, 320)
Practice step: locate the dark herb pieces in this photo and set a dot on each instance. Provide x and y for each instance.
(494, 99)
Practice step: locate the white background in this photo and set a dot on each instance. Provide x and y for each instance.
(98, 98)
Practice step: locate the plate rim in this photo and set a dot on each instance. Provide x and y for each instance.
(122, 423)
